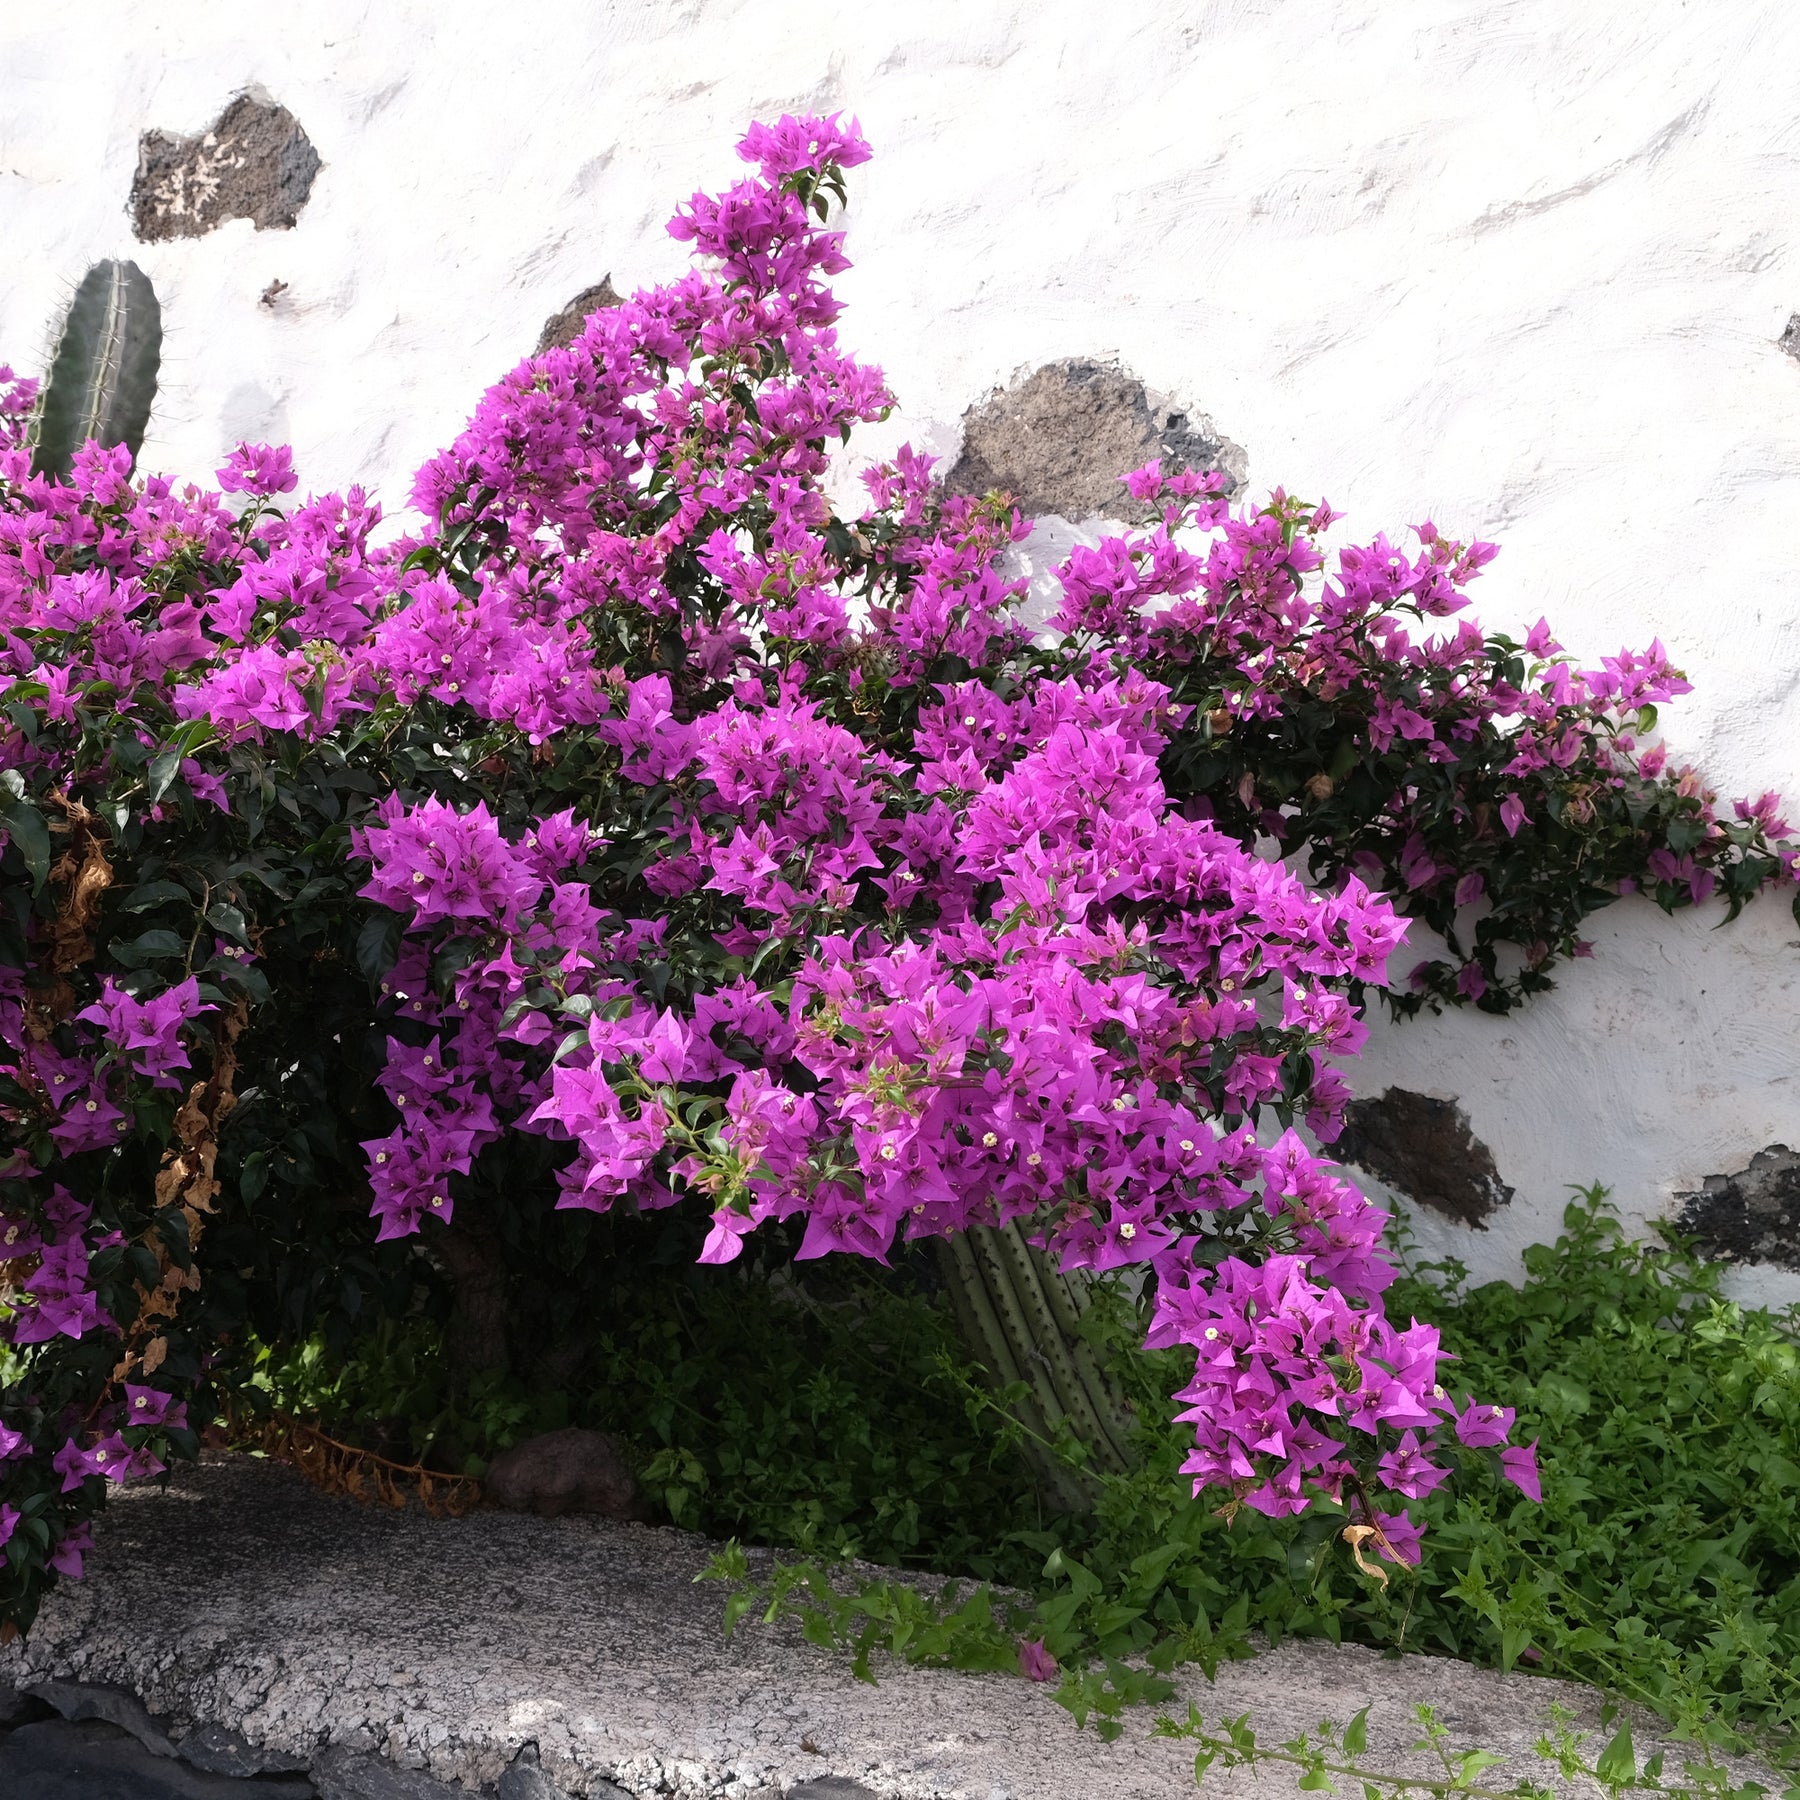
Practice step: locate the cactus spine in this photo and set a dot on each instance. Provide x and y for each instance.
(103, 377)
(1021, 1316)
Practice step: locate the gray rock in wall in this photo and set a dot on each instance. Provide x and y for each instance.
(1790, 338)
(1752, 1216)
(1061, 438)
(255, 163)
(561, 329)
(1424, 1149)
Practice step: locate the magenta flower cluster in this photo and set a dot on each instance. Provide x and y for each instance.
(955, 954)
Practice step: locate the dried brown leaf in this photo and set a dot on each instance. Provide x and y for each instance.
(1356, 1536)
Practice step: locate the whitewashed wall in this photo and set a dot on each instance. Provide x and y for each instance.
(1518, 265)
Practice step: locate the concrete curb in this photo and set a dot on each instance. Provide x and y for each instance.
(529, 1657)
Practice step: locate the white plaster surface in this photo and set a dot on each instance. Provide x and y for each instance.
(1515, 265)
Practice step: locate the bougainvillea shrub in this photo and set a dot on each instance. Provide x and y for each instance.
(637, 832)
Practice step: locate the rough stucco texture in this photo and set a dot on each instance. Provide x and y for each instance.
(1519, 267)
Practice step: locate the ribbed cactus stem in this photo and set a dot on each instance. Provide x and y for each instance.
(1021, 1316)
(102, 380)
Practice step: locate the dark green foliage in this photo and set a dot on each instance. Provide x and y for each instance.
(827, 1413)
(102, 382)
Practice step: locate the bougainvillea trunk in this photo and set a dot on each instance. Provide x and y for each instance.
(1021, 1317)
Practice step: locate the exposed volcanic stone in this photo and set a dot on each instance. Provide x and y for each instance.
(443, 1650)
(1060, 439)
(1752, 1216)
(255, 163)
(561, 329)
(1424, 1149)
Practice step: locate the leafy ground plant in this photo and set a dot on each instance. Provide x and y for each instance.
(1334, 1757)
(1662, 1566)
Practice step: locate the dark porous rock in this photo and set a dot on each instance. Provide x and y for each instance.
(561, 329)
(221, 1751)
(20, 1708)
(565, 1471)
(255, 163)
(77, 1700)
(525, 1780)
(1752, 1216)
(831, 1787)
(341, 1773)
(1423, 1149)
(61, 1759)
(1790, 338)
(1060, 439)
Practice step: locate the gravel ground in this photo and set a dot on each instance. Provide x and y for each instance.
(243, 1637)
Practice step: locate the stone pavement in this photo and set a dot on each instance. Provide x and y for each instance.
(243, 1637)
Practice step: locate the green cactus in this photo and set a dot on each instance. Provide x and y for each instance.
(103, 378)
(1021, 1316)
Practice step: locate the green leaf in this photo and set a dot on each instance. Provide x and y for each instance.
(253, 1175)
(1356, 1733)
(153, 893)
(1618, 1761)
(378, 943)
(164, 767)
(152, 946)
(26, 826)
(226, 918)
